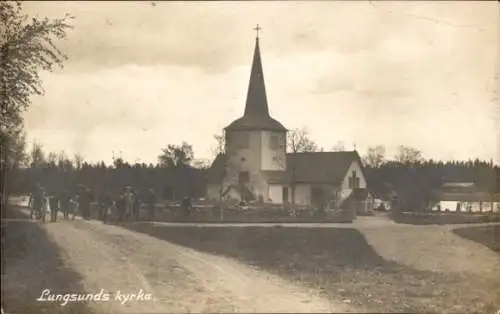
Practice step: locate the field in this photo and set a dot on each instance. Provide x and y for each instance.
(489, 236)
(341, 264)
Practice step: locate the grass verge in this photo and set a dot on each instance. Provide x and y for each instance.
(33, 263)
(487, 235)
(339, 263)
(443, 218)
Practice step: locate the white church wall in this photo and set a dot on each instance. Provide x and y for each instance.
(302, 194)
(275, 194)
(345, 188)
(273, 158)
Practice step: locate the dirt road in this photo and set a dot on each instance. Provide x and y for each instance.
(179, 279)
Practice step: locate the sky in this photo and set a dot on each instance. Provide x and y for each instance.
(142, 75)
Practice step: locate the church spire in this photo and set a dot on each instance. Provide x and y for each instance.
(256, 104)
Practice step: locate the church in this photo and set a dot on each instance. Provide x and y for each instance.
(256, 166)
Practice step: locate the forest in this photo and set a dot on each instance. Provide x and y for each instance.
(177, 173)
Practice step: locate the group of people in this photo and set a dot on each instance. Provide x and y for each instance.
(125, 205)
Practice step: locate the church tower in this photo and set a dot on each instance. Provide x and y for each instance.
(255, 142)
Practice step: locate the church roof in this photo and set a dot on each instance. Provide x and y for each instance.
(256, 116)
(310, 167)
(320, 167)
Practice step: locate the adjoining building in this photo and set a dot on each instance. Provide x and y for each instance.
(464, 197)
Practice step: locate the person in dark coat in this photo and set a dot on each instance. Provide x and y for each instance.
(120, 207)
(101, 207)
(85, 200)
(64, 203)
(151, 201)
(105, 204)
(186, 207)
(36, 202)
(136, 206)
(54, 207)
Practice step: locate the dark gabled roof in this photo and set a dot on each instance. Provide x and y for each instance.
(458, 184)
(320, 167)
(256, 116)
(310, 167)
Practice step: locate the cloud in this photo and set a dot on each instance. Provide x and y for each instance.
(141, 77)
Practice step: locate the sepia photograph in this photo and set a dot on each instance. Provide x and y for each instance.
(250, 156)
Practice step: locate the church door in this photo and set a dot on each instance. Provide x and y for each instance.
(317, 197)
(285, 194)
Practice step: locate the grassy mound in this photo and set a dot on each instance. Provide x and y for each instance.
(488, 235)
(444, 218)
(33, 263)
(338, 262)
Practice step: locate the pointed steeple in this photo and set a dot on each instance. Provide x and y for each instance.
(256, 104)
(256, 116)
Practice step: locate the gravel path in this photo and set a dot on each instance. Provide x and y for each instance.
(179, 279)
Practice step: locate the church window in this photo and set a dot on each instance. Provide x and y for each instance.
(274, 142)
(353, 181)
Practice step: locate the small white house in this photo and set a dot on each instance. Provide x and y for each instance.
(464, 197)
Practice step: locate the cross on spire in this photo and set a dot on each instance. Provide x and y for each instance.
(257, 29)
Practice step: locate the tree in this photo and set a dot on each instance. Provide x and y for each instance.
(409, 155)
(78, 160)
(339, 147)
(177, 158)
(63, 162)
(298, 141)
(16, 156)
(220, 152)
(201, 164)
(374, 156)
(26, 48)
(52, 159)
(37, 156)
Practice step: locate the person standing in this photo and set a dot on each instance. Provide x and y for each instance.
(151, 201)
(101, 205)
(136, 205)
(54, 207)
(120, 206)
(45, 209)
(36, 202)
(64, 204)
(85, 200)
(106, 203)
(129, 201)
(73, 206)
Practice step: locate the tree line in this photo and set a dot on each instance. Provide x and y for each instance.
(176, 173)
